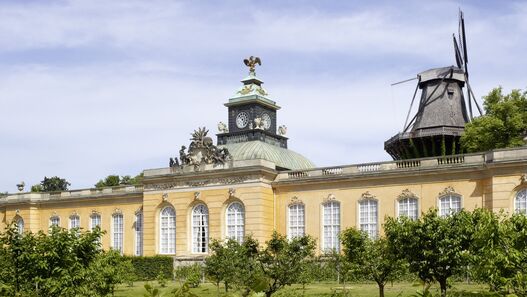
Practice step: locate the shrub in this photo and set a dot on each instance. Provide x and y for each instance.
(149, 268)
(190, 275)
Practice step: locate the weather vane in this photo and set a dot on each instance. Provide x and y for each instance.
(251, 63)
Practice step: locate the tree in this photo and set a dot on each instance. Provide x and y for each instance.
(503, 125)
(372, 257)
(115, 180)
(282, 260)
(36, 188)
(234, 264)
(107, 271)
(54, 184)
(435, 247)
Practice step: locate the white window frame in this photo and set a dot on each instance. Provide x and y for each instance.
(94, 222)
(408, 201)
(333, 226)
(200, 229)
(368, 217)
(520, 203)
(450, 197)
(139, 229)
(54, 220)
(235, 229)
(296, 220)
(72, 222)
(118, 232)
(167, 231)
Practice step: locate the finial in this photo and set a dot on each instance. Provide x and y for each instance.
(251, 63)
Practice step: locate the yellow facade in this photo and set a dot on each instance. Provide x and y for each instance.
(489, 180)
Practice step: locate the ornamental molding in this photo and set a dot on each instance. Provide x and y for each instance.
(117, 211)
(295, 201)
(139, 210)
(407, 194)
(200, 183)
(447, 191)
(523, 179)
(54, 214)
(95, 212)
(74, 213)
(197, 195)
(232, 192)
(367, 196)
(164, 197)
(330, 198)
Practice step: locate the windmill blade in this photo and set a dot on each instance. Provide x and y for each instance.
(474, 98)
(464, 40)
(403, 81)
(459, 59)
(411, 104)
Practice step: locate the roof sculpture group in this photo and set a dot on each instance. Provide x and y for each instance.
(201, 151)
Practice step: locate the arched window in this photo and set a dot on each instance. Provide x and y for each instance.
(331, 226)
(167, 231)
(368, 217)
(520, 205)
(408, 208)
(200, 229)
(296, 220)
(19, 225)
(54, 221)
(117, 232)
(449, 204)
(235, 221)
(95, 220)
(139, 234)
(75, 222)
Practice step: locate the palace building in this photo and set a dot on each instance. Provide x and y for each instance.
(250, 183)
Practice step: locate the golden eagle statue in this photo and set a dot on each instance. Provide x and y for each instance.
(251, 63)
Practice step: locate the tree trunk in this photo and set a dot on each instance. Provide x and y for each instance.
(381, 290)
(268, 293)
(442, 284)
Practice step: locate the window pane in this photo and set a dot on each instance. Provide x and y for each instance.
(167, 231)
(118, 232)
(200, 229)
(331, 226)
(368, 217)
(235, 221)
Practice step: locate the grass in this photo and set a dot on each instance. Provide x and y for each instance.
(315, 289)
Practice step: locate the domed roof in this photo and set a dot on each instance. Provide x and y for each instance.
(282, 157)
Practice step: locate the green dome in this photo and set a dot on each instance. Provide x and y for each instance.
(282, 157)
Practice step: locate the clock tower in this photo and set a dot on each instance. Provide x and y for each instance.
(251, 114)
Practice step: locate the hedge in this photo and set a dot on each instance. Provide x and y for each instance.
(148, 268)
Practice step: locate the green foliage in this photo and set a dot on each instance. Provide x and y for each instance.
(183, 291)
(503, 125)
(283, 260)
(36, 188)
(148, 268)
(116, 180)
(151, 291)
(435, 247)
(54, 184)
(234, 264)
(374, 258)
(108, 270)
(189, 274)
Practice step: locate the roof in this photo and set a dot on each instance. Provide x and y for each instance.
(256, 149)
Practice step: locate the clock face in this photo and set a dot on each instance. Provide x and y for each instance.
(242, 119)
(266, 121)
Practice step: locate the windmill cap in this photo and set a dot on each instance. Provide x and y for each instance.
(440, 73)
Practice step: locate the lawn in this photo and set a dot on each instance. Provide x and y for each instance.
(316, 289)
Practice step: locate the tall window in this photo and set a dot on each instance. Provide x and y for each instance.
(449, 204)
(235, 221)
(139, 234)
(117, 232)
(75, 222)
(19, 225)
(331, 215)
(520, 205)
(368, 217)
(54, 221)
(95, 220)
(167, 230)
(200, 229)
(296, 220)
(408, 208)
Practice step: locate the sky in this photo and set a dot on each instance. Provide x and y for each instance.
(92, 88)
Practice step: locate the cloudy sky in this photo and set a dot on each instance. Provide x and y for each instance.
(92, 88)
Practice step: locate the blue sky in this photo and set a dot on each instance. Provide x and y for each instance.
(92, 88)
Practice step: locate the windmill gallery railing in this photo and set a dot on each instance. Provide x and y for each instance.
(504, 155)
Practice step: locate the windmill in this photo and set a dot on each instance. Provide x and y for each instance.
(440, 119)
